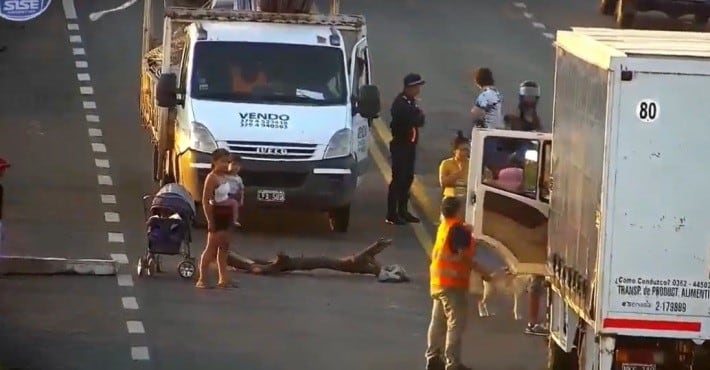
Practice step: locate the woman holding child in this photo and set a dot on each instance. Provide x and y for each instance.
(221, 198)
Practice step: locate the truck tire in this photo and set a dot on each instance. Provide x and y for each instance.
(557, 359)
(607, 7)
(339, 219)
(624, 14)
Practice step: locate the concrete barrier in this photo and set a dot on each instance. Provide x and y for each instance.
(27, 265)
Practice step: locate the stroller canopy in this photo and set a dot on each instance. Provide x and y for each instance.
(175, 198)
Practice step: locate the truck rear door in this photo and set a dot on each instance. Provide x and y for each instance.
(657, 223)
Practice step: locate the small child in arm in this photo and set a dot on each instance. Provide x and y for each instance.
(236, 187)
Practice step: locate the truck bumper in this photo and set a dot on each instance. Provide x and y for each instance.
(674, 8)
(308, 185)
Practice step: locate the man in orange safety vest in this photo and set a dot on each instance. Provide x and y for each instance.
(450, 269)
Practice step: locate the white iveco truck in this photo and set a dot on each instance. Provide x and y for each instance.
(628, 237)
(290, 93)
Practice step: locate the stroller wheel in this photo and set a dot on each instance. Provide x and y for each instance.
(150, 270)
(141, 266)
(186, 269)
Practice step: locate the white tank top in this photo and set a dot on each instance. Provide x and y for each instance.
(221, 193)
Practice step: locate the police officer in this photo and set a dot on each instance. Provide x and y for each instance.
(407, 118)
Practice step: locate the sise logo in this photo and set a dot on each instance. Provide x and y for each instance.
(22, 10)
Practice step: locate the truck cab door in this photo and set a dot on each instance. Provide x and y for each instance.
(506, 203)
(182, 121)
(359, 76)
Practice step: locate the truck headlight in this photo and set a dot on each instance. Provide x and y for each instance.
(340, 145)
(201, 138)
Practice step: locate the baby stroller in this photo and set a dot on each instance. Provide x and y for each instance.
(169, 214)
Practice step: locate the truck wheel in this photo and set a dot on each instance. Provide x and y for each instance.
(606, 7)
(699, 22)
(557, 359)
(339, 219)
(624, 14)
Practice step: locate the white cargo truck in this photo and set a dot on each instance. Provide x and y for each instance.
(627, 223)
(290, 93)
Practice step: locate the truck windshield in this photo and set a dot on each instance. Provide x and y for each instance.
(267, 73)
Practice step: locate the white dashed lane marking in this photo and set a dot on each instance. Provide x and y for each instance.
(112, 217)
(108, 198)
(121, 258)
(102, 163)
(98, 147)
(106, 181)
(531, 16)
(135, 327)
(140, 353)
(129, 303)
(124, 280)
(115, 238)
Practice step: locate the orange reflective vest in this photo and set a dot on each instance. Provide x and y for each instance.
(449, 269)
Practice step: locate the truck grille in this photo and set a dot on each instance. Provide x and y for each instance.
(272, 151)
(273, 179)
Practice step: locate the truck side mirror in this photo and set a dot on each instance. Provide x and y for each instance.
(369, 101)
(166, 90)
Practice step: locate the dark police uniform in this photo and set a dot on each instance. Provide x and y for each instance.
(407, 118)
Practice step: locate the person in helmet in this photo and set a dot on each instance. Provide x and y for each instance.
(528, 97)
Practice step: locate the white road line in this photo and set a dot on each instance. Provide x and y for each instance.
(81, 64)
(115, 238)
(124, 280)
(112, 217)
(527, 15)
(121, 258)
(75, 39)
(69, 9)
(549, 35)
(72, 27)
(140, 353)
(105, 180)
(102, 163)
(135, 327)
(89, 104)
(129, 303)
(92, 118)
(520, 5)
(83, 77)
(108, 198)
(86, 90)
(98, 147)
(78, 51)
(538, 25)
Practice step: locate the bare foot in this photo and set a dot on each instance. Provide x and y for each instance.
(200, 284)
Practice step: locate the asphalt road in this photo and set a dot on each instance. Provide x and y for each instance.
(304, 321)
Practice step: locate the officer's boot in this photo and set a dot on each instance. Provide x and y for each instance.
(392, 216)
(404, 213)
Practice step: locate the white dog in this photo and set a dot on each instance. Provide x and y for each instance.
(506, 282)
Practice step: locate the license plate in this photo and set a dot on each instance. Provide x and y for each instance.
(638, 367)
(276, 196)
